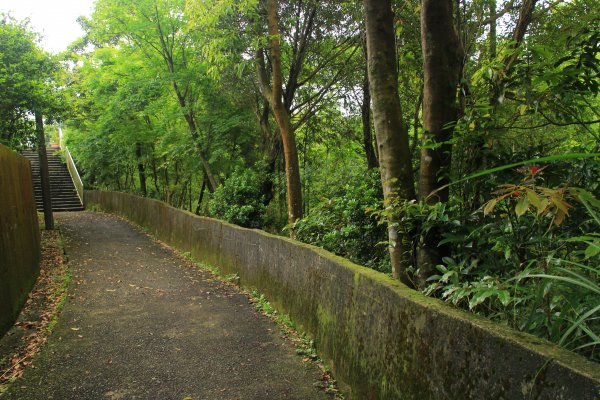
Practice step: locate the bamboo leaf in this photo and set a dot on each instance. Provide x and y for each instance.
(593, 288)
(578, 323)
(592, 250)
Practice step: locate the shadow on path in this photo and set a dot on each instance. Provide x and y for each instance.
(140, 324)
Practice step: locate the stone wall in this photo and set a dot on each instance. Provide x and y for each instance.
(19, 236)
(383, 340)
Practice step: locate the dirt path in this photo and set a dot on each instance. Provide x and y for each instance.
(140, 324)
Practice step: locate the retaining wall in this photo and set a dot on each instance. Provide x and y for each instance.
(19, 236)
(383, 340)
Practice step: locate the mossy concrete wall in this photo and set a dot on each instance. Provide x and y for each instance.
(383, 340)
(19, 236)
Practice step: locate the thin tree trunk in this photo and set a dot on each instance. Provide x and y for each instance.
(365, 111)
(271, 143)
(190, 195)
(141, 169)
(167, 185)
(441, 68)
(201, 196)
(416, 120)
(155, 177)
(44, 172)
(282, 116)
(212, 181)
(391, 134)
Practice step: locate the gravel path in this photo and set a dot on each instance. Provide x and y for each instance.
(142, 324)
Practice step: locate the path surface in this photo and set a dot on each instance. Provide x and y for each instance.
(140, 324)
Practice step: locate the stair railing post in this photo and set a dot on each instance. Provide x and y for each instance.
(44, 171)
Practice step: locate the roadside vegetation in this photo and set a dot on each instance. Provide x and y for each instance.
(473, 177)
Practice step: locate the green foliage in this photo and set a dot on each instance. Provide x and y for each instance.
(165, 90)
(27, 82)
(528, 258)
(239, 200)
(344, 225)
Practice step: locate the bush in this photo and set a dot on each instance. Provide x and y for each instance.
(239, 200)
(344, 224)
(528, 258)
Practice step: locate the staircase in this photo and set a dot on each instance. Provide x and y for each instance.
(64, 195)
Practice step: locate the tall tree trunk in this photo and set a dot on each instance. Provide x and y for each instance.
(271, 146)
(201, 196)
(189, 118)
(390, 131)
(365, 111)
(141, 169)
(493, 34)
(167, 186)
(44, 172)
(441, 68)
(282, 116)
(155, 176)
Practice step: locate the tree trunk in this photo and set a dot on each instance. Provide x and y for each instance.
(365, 110)
(44, 172)
(155, 176)
(212, 181)
(441, 68)
(141, 169)
(167, 186)
(391, 134)
(201, 196)
(282, 116)
(271, 146)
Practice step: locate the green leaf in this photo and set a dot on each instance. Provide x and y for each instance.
(523, 109)
(522, 206)
(507, 253)
(504, 297)
(480, 297)
(489, 206)
(592, 250)
(534, 199)
(578, 323)
(569, 156)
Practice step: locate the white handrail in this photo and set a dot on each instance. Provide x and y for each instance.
(71, 166)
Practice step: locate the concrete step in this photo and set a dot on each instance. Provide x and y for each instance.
(62, 190)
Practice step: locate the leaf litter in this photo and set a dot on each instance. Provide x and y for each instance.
(39, 314)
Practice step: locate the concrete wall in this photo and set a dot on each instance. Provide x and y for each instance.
(383, 340)
(19, 236)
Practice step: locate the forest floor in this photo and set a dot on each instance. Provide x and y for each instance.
(142, 322)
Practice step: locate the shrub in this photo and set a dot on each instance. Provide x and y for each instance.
(239, 200)
(344, 224)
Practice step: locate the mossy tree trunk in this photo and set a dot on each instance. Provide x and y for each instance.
(390, 131)
(441, 69)
(283, 118)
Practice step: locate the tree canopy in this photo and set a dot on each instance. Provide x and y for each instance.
(28, 82)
